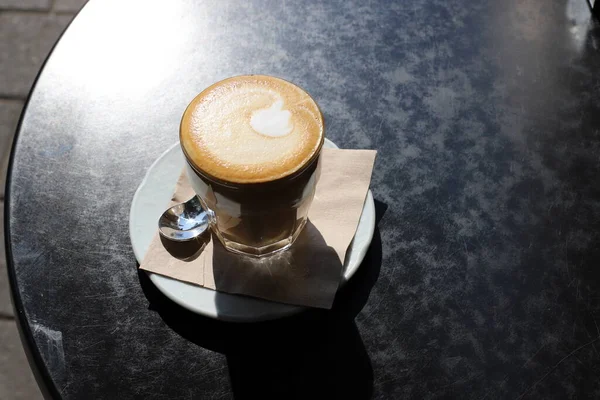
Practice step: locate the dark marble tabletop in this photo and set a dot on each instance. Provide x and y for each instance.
(482, 280)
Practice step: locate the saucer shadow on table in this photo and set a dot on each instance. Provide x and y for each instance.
(315, 354)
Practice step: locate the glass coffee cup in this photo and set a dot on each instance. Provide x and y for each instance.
(252, 145)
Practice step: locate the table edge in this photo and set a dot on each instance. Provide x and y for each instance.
(36, 362)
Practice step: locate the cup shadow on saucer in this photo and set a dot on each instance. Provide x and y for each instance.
(308, 270)
(314, 354)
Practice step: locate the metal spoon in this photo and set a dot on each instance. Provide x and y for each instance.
(183, 222)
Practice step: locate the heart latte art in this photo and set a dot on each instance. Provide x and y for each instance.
(251, 129)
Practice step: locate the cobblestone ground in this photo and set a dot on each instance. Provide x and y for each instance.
(28, 29)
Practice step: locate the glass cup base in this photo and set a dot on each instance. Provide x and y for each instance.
(263, 251)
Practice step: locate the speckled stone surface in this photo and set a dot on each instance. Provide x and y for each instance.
(482, 279)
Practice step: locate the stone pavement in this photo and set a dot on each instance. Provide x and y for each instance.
(28, 29)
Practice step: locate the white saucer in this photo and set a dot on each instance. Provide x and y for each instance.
(149, 202)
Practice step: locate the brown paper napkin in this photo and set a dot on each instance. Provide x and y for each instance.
(307, 274)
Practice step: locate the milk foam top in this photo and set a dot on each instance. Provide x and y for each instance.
(251, 128)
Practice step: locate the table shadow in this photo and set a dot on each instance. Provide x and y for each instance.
(315, 354)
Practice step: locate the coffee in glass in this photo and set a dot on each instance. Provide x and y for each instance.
(252, 145)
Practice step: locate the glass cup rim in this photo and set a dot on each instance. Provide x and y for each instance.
(241, 185)
(199, 171)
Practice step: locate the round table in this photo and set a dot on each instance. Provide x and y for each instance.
(482, 279)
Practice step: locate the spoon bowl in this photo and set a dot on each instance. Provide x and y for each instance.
(184, 222)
